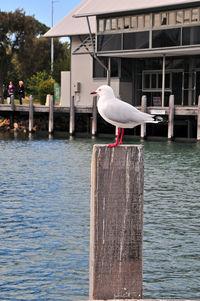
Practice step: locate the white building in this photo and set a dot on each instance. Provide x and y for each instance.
(149, 48)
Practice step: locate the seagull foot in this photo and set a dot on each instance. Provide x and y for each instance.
(113, 144)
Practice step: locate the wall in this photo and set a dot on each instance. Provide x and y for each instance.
(65, 89)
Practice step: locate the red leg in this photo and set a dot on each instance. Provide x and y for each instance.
(122, 134)
(117, 141)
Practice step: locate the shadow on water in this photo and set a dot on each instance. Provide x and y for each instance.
(44, 221)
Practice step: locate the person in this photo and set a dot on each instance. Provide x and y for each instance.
(21, 91)
(11, 90)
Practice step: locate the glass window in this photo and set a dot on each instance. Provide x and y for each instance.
(109, 42)
(195, 15)
(101, 25)
(167, 80)
(179, 17)
(164, 19)
(134, 21)
(113, 24)
(136, 40)
(141, 21)
(146, 81)
(153, 81)
(107, 24)
(191, 35)
(127, 22)
(120, 23)
(156, 20)
(166, 37)
(187, 14)
(98, 70)
(147, 21)
(171, 17)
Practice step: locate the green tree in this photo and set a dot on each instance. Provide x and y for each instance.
(34, 82)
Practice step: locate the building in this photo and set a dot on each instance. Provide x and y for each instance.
(146, 50)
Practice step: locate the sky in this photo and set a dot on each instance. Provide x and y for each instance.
(41, 9)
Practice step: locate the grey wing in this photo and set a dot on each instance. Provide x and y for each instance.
(122, 112)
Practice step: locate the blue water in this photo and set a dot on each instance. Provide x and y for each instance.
(44, 219)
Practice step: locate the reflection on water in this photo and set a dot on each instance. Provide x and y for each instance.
(44, 219)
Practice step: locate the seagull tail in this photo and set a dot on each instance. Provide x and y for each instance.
(158, 119)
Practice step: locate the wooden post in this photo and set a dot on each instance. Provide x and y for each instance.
(72, 117)
(116, 222)
(198, 120)
(171, 117)
(94, 116)
(12, 104)
(143, 109)
(51, 114)
(30, 114)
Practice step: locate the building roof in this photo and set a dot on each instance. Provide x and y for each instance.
(70, 26)
(100, 7)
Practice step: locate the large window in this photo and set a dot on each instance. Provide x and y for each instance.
(136, 40)
(109, 42)
(99, 71)
(166, 37)
(191, 35)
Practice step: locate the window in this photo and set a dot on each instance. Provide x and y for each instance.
(156, 20)
(171, 18)
(195, 15)
(107, 24)
(113, 24)
(120, 23)
(191, 35)
(100, 71)
(164, 20)
(134, 22)
(136, 40)
(152, 80)
(101, 25)
(127, 22)
(179, 17)
(187, 14)
(109, 42)
(147, 21)
(140, 21)
(166, 37)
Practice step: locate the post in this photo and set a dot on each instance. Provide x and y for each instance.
(94, 116)
(116, 222)
(108, 71)
(51, 114)
(198, 120)
(171, 117)
(30, 114)
(163, 82)
(12, 104)
(72, 117)
(143, 109)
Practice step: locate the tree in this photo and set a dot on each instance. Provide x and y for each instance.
(17, 33)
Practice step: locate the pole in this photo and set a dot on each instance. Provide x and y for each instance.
(31, 114)
(163, 82)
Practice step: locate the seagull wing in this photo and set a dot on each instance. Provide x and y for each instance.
(119, 111)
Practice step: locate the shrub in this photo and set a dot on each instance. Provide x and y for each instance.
(35, 81)
(46, 87)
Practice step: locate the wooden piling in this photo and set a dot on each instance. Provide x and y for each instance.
(30, 127)
(198, 120)
(51, 105)
(116, 222)
(143, 109)
(12, 104)
(94, 116)
(72, 117)
(171, 118)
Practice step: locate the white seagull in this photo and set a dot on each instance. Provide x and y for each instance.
(120, 113)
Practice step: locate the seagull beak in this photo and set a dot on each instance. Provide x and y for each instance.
(94, 92)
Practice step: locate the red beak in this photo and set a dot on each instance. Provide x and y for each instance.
(94, 92)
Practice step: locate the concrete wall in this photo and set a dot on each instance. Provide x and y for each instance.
(82, 72)
(65, 89)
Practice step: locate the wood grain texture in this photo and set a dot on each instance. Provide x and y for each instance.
(117, 182)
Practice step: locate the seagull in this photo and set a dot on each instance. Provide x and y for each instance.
(119, 113)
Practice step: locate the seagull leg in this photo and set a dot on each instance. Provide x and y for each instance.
(122, 134)
(117, 141)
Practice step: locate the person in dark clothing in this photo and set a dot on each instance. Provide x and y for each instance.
(11, 89)
(21, 91)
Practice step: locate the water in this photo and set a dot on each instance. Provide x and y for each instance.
(44, 219)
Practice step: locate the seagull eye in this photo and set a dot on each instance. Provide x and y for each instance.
(99, 89)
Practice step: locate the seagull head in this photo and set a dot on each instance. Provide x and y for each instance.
(105, 91)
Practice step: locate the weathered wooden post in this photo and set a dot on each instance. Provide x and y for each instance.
(51, 114)
(116, 222)
(171, 117)
(94, 116)
(30, 127)
(143, 109)
(12, 104)
(72, 117)
(198, 120)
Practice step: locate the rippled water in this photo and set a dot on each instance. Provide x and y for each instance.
(44, 219)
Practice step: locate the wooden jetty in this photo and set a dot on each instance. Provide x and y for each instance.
(170, 112)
